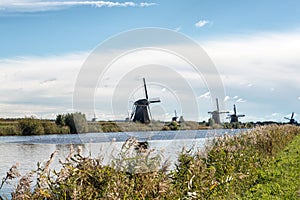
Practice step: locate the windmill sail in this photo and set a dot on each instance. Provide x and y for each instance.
(292, 120)
(145, 87)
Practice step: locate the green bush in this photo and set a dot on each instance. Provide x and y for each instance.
(31, 126)
(9, 130)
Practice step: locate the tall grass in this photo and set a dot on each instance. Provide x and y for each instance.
(227, 168)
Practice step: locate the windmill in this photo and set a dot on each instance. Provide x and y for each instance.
(292, 120)
(215, 115)
(94, 118)
(234, 117)
(174, 119)
(141, 110)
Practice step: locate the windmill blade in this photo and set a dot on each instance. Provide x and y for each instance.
(132, 114)
(287, 118)
(292, 115)
(217, 104)
(154, 100)
(240, 115)
(223, 112)
(234, 109)
(150, 112)
(133, 111)
(145, 87)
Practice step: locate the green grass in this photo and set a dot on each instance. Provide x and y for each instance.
(281, 179)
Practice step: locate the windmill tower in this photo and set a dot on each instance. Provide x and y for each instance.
(234, 117)
(292, 120)
(215, 115)
(141, 110)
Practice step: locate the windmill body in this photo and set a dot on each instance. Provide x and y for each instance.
(215, 115)
(141, 111)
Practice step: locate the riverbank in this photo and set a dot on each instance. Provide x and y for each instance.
(230, 167)
(32, 126)
(281, 178)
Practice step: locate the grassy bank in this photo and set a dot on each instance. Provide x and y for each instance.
(231, 167)
(281, 178)
(32, 126)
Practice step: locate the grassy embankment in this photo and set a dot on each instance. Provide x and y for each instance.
(262, 162)
(281, 179)
(32, 126)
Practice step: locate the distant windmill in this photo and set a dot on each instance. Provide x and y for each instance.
(174, 119)
(141, 110)
(215, 115)
(234, 117)
(94, 118)
(292, 120)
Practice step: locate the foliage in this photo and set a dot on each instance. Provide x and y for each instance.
(10, 130)
(60, 120)
(76, 122)
(31, 126)
(104, 127)
(231, 167)
(173, 126)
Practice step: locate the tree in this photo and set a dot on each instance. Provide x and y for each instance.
(60, 120)
(76, 122)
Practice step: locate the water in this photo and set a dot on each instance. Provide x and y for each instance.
(29, 150)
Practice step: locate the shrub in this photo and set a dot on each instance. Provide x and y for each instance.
(31, 126)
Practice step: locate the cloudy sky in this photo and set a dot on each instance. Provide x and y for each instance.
(254, 45)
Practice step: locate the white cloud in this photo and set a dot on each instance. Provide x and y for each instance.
(40, 5)
(249, 66)
(39, 86)
(266, 59)
(226, 98)
(145, 4)
(201, 23)
(240, 100)
(205, 95)
(177, 29)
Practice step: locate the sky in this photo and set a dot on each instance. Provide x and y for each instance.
(254, 45)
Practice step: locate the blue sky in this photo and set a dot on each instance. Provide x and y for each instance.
(33, 30)
(254, 45)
